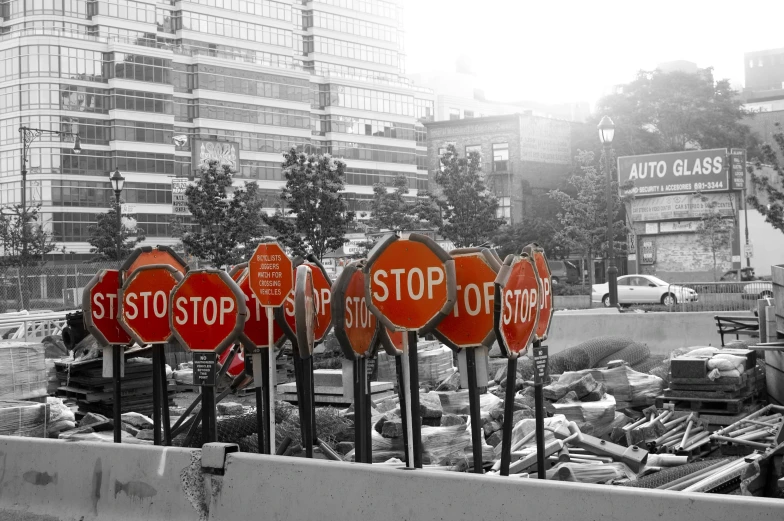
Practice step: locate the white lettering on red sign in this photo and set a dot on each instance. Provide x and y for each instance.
(360, 311)
(259, 309)
(323, 297)
(414, 279)
(473, 305)
(546, 286)
(209, 310)
(159, 304)
(519, 305)
(98, 299)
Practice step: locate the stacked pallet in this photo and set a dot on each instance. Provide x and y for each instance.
(84, 381)
(20, 418)
(22, 371)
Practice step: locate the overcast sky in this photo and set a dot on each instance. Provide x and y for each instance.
(571, 50)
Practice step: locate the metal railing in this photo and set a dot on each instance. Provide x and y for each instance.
(717, 296)
(34, 325)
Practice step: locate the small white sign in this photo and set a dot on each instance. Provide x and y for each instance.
(651, 228)
(749, 251)
(736, 258)
(127, 208)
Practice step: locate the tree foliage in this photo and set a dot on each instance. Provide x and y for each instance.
(540, 225)
(20, 248)
(103, 236)
(390, 210)
(314, 217)
(462, 208)
(583, 215)
(771, 205)
(670, 112)
(228, 219)
(715, 232)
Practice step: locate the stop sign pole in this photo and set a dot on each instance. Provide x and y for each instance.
(357, 331)
(410, 286)
(469, 326)
(271, 278)
(101, 308)
(516, 316)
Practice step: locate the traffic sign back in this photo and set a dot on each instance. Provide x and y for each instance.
(102, 307)
(546, 307)
(356, 328)
(304, 310)
(410, 283)
(147, 255)
(208, 310)
(322, 285)
(470, 324)
(271, 274)
(144, 303)
(517, 290)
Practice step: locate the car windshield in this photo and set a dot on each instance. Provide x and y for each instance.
(657, 281)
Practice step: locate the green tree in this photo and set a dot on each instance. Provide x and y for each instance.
(228, 219)
(583, 215)
(103, 236)
(390, 210)
(771, 202)
(461, 207)
(670, 112)
(539, 225)
(715, 232)
(314, 217)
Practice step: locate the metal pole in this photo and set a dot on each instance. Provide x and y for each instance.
(402, 386)
(156, 397)
(119, 225)
(25, 149)
(416, 413)
(164, 390)
(539, 407)
(612, 271)
(473, 403)
(117, 406)
(506, 441)
(746, 222)
(359, 441)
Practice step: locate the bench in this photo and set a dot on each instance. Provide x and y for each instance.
(737, 325)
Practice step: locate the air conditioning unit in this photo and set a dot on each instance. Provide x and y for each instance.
(72, 297)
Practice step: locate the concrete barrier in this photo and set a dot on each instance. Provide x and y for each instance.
(52, 480)
(663, 332)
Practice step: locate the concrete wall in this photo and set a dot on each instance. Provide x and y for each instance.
(663, 332)
(43, 480)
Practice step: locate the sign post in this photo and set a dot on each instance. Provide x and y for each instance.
(469, 327)
(357, 330)
(207, 313)
(410, 286)
(101, 309)
(305, 321)
(515, 318)
(144, 314)
(271, 278)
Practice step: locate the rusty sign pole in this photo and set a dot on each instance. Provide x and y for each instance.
(305, 317)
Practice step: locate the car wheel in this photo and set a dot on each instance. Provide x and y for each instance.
(669, 300)
(766, 294)
(554, 280)
(606, 301)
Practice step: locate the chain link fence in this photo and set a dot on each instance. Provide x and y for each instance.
(50, 287)
(718, 296)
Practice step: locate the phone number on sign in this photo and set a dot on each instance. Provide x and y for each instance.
(713, 185)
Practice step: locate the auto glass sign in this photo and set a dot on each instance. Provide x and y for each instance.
(224, 152)
(674, 173)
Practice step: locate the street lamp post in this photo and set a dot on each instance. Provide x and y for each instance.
(606, 134)
(118, 181)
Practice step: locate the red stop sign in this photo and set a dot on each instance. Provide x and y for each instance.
(470, 324)
(356, 327)
(410, 283)
(519, 288)
(208, 310)
(271, 274)
(255, 332)
(144, 303)
(102, 307)
(147, 255)
(237, 365)
(323, 288)
(546, 295)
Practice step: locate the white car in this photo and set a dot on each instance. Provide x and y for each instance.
(757, 290)
(643, 289)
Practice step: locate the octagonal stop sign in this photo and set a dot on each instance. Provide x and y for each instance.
(254, 333)
(271, 274)
(356, 328)
(208, 310)
(101, 308)
(470, 324)
(410, 283)
(516, 316)
(147, 255)
(322, 285)
(546, 307)
(144, 303)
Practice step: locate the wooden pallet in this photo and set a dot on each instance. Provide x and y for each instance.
(721, 395)
(708, 405)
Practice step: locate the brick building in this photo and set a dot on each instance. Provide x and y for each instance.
(524, 156)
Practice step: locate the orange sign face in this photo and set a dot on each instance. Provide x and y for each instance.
(470, 324)
(545, 296)
(519, 287)
(355, 326)
(208, 311)
(148, 256)
(101, 308)
(410, 283)
(144, 303)
(255, 332)
(271, 274)
(323, 288)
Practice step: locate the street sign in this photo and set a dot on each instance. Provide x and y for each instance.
(748, 250)
(144, 303)
(208, 310)
(356, 328)
(391, 341)
(323, 287)
(540, 363)
(546, 307)
(179, 200)
(271, 274)
(517, 312)
(237, 365)
(305, 310)
(204, 369)
(674, 172)
(255, 333)
(738, 168)
(410, 283)
(470, 324)
(101, 308)
(147, 255)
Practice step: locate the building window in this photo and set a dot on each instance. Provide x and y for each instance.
(473, 148)
(468, 114)
(504, 210)
(454, 113)
(500, 157)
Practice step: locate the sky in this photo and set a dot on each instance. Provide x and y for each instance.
(554, 51)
